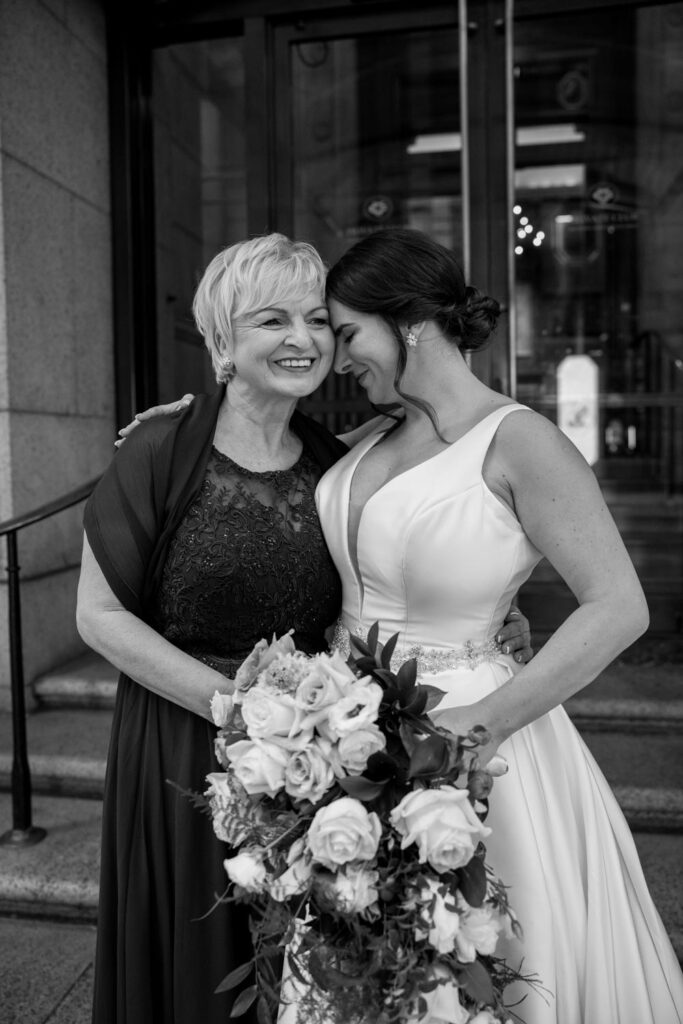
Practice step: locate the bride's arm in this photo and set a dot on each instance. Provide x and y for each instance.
(557, 500)
(135, 648)
(149, 414)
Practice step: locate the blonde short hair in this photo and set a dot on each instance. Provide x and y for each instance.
(254, 274)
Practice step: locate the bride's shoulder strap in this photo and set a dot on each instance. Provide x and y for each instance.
(487, 429)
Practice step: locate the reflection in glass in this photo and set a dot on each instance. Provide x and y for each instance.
(597, 243)
(361, 107)
(200, 191)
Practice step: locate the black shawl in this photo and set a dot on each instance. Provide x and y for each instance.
(134, 511)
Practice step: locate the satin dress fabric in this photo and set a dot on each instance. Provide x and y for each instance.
(438, 560)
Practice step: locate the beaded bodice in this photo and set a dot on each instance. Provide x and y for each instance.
(249, 560)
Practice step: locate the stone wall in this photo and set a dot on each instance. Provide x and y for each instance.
(56, 346)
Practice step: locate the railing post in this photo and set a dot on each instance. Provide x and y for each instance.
(23, 832)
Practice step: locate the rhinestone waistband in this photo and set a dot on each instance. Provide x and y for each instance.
(429, 659)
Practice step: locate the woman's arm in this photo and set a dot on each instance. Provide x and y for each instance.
(350, 438)
(149, 414)
(135, 648)
(557, 500)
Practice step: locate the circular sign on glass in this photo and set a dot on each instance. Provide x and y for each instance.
(377, 208)
(603, 194)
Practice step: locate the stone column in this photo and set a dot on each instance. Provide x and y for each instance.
(56, 358)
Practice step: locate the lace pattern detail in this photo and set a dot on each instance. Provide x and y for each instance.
(247, 561)
(429, 659)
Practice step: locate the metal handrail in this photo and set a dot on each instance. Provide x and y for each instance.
(23, 831)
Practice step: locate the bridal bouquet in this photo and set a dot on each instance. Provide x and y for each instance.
(358, 828)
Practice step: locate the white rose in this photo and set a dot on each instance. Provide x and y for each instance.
(329, 680)
(439, 918)
(343, 831)
(443, 1002)
(479, 931)
(353, 889)
(357, 710)
(356, 747)
(221, 709)
(308, 774)
(247, 870)
(267, 713)
(259, 765)
(443, 824)
(330, 752)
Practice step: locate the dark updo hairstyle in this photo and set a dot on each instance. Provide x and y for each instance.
(405, 277)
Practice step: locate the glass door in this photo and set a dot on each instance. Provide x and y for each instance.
(596, 242)
(368, 122)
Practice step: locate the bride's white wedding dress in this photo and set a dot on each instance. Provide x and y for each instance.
(438, 560)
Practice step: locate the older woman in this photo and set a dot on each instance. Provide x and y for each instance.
(201, 538)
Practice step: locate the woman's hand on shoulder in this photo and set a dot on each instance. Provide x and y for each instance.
(149, 414)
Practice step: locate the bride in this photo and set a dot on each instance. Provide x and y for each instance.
(434, 520)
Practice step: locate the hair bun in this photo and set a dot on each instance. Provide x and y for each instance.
(474, 319)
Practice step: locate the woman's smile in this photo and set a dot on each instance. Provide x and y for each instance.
(300, 364)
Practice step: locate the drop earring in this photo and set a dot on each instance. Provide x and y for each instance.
(411, 339)
(228, 370)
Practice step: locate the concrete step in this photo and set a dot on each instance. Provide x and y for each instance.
(86, 682)
(67, 750)
(58, 877)
(47, 974)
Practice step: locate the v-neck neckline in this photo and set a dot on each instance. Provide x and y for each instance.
(367, 446)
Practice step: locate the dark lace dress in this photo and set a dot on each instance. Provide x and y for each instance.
(247, 560)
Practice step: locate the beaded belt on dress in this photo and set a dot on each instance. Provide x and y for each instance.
(429, 659)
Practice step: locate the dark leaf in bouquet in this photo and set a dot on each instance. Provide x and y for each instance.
(244, 1001)
(366, 665)
(381, 767)
(429, 758)
(373, 637)
(476, 981)
(418, 703)
(391, 693)
(293, 964)
(361, 788)
(405, 679)
(408, 738)
(472, 878)
(386, 677)
(235, 977)
(388, 650)
(262, 1012)
(434, 696)
(359, 648)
